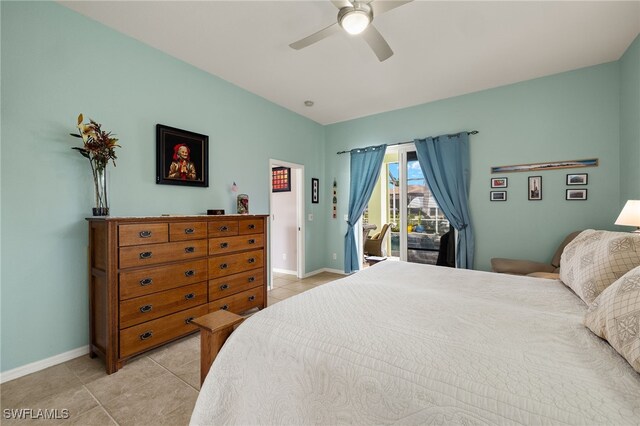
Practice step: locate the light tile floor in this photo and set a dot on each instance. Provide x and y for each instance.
(157, 388)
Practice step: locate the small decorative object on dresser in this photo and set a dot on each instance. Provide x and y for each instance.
(182, 157)
(243, 204)
(535, 188)
(99, 149)
(150, 276)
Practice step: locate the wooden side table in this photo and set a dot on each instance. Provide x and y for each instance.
(215, 329)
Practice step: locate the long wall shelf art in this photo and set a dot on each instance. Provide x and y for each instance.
(546, 166)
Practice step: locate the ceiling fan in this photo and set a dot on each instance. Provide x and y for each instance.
(355, 17)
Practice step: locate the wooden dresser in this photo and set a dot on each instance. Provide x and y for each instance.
(149, 277)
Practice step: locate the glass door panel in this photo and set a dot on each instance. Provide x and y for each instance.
(425, 221)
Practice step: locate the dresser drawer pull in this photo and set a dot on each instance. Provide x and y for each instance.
(224, 286)
(145, 234)
(223, 266)
(224, 245)
(189, 296)
(252, 226)
(251, 260)
(188, 320)
(223, 228)
(189, 273)
(189, 249)
(147, 335)
(146, 281)
(146, 255)
(224, 307)
(146, 308)
(251, 279)
(252, 241)
(252, 298)
(189, 231)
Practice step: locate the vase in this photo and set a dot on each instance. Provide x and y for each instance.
(100, 189)
(243, 204)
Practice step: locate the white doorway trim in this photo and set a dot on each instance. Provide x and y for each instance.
(300, 213)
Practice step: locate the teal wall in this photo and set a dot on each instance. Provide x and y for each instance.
(630, 123)
(56, 64)
(569, 116)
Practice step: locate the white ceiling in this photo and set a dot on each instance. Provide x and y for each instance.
(442, 48)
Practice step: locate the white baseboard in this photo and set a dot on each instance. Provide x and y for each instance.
(284, 271)
(319, 271)
(334, 271)
(42, 364)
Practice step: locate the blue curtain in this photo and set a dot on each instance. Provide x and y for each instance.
(445, 163)
(365, 170)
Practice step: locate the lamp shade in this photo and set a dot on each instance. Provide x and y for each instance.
(630, 214)
(355, 22)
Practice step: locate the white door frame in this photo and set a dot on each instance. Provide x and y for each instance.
(300, 213)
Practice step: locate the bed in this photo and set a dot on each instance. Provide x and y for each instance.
(407, 344)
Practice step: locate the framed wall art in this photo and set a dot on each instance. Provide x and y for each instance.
(576, 194)
(500, 182)
(578, 179)
(281, 179)
(535, 188)
(182, 157)
(498, 196)
(315, 191)
(568, 164)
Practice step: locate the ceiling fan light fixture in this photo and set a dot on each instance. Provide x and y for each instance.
(355, 21)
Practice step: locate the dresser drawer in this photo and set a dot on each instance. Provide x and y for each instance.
(221, 266)
(222, 287)
(141, 282)
(144, 336)
(221, 228)
(160, 253)
(146, 308)
(181, 231)
(250, 226)
(230, 244)
(240, 302)
(143, 233)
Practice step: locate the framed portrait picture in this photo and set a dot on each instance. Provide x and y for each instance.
(535, 188)
(578, 179)
(315, 190)
(182, 157)
(498, 196)
(576, 194)
(500, 182)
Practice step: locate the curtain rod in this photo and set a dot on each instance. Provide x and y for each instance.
(473, 132)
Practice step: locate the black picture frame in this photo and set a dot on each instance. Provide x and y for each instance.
(281, 179)
(499, 182)
(534, 189)
(577, 179)
(498, 196)
(195, 169)
(315, 190)
(576, 194)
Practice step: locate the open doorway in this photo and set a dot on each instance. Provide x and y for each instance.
(286, 209)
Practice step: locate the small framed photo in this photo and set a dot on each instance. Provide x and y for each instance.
(578, 179)
(535, 188)
(500, 182)
(182, 157)
(315, 191)
(281, 179)
(498, 196)
(576, 194)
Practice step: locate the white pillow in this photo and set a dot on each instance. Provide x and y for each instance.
(615, 316)
(595, 259)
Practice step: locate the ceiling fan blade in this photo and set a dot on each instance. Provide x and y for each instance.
(341, 3)
(380, 7)
(379, 45)
(315, 37)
